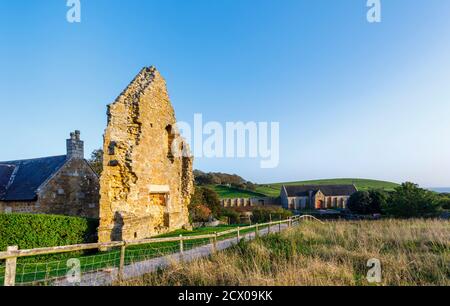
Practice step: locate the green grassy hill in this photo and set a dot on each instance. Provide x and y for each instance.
(273, 190)
(225, 192)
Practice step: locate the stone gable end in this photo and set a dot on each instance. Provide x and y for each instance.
(145, 186)
(72, 191)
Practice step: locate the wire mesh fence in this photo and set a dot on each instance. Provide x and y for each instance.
(145, 252)
(56, 265)
(192, 244)
(42, 273)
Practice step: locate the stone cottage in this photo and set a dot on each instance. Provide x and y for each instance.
(316, 196)
(61, 185)
(147, 178)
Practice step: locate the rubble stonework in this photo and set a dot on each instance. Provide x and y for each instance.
(59, 185)
(145, 186)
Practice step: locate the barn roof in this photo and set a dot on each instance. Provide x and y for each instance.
(327, 190)
(20, 179)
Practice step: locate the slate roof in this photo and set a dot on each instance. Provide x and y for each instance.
(20, 179)
(327, 190)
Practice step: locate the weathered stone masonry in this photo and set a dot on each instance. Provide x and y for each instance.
(145, 186)
(60, 185)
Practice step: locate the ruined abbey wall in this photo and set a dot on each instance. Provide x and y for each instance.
(146, 183)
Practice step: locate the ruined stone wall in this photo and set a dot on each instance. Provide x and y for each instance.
(145, 186)
(72, 191)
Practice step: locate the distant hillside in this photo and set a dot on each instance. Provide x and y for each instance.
(273, 190)
(225, 192)
(361, 184)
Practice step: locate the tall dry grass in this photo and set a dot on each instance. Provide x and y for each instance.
(415, 252)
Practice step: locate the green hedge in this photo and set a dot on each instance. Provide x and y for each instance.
(36, 231)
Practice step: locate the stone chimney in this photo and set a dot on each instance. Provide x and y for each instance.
(75, 147)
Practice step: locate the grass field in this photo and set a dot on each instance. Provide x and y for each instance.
(414, 252)
(273, 190)
(38, 270)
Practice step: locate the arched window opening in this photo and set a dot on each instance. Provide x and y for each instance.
(170, 139)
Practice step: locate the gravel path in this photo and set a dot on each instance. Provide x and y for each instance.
(108, 277)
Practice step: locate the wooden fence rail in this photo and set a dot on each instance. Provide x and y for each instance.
(13, 253)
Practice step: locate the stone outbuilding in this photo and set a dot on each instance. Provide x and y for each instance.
(249, 202)
(147, 178)
(61, 185)
(316, 196)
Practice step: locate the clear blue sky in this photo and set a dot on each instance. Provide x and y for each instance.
(353, 99)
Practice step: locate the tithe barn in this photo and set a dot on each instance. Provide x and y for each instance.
(316, 196)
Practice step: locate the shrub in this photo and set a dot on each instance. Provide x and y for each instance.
(200, 213)
(264, 214)
(29, 231)
(232, 215)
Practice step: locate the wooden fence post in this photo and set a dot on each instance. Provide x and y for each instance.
(122, 261)
(215, 242)
(10, 269)
(238, 234)
(279, 226)
(256, 231)
(181, 245)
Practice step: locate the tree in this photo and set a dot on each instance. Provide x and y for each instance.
(96, 161)
(378, 199)
(212, 201)
(410, 201)
(197, 197)
(200, 213)
(444, 201)
(204, 198)
(217, 178)
(360, 203)
(367, 202)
